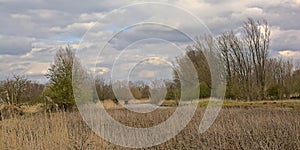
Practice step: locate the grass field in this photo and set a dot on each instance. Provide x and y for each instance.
(235, 128)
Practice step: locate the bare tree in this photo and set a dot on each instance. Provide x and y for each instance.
(104, 89)
(158, 91)
(238, 64)
(13, 89)
(226, 51)
(280, 80)
(33, 92)
(296, 83)
(257, 38)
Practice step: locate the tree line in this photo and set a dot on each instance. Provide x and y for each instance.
(250, 72)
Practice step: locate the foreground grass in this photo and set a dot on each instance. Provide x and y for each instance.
(235, 128)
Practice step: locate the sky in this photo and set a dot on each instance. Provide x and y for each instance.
(130, 39)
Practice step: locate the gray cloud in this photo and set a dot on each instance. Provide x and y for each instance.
(286, 40)
(14, 45)
(146, 31)
(284, 14)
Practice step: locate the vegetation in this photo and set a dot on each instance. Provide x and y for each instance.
(251, 73)
(235, 128)
(60, 77)
(253, 104)
(13, 90)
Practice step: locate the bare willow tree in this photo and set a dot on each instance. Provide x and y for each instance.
(279, 78)
(226, 52)
(238, 64)
(257, 38)
(104, 89)
(157, 91)
(13, 89)
(296, 83)
(246, 57)
(205, 58)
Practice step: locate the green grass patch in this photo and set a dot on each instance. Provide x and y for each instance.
(246, 104)
(169, 103)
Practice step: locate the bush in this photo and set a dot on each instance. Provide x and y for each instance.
(204, 90)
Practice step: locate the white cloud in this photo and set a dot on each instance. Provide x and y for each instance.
(37, 68)
(297, 2)
(290, 54)
(99, 70)
(73, 27)
(193, 5)
(157, 61)
(147, 74)
(20, 16)
(88, 17)
(248, 12)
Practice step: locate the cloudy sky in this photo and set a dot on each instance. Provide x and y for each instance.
(151, 34)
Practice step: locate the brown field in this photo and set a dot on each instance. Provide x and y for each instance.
(235, 128)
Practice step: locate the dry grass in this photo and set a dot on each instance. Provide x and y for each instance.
(32, 108)
(109, 104)
(235, 128)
